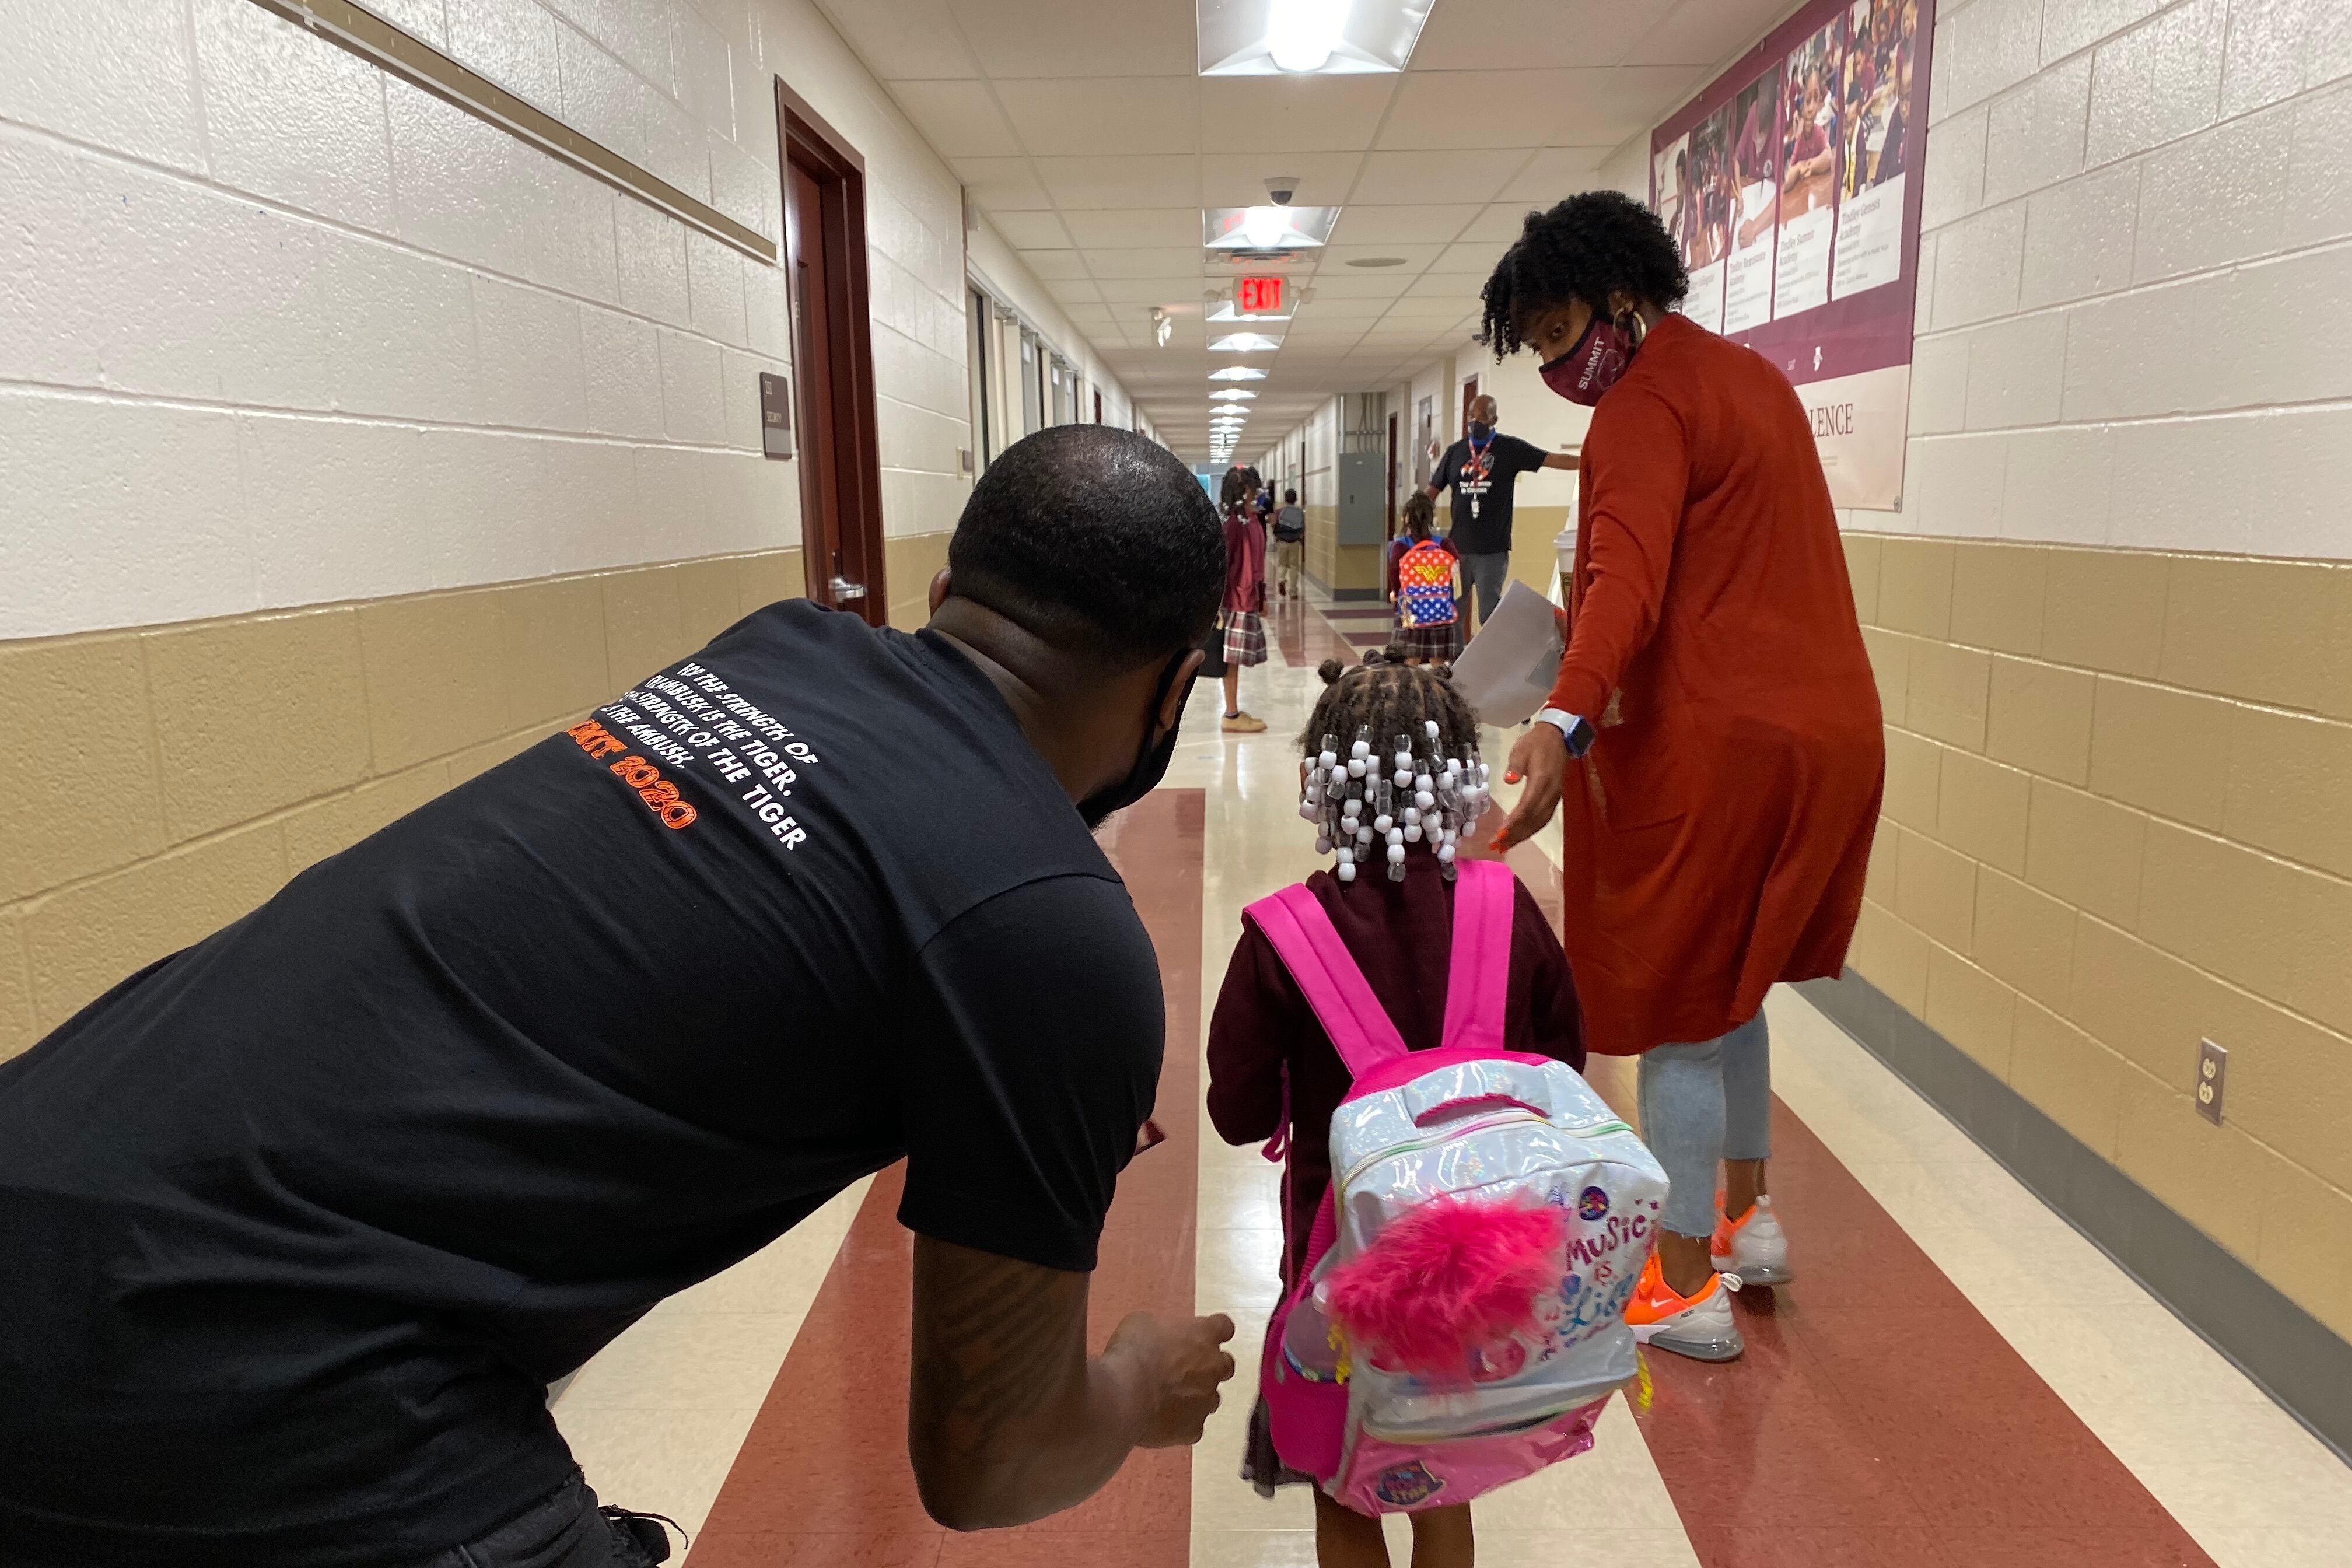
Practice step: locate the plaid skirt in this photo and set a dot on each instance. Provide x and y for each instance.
(1442, 643)
(1244, 637)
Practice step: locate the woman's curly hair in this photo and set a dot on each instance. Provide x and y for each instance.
(1588, 247)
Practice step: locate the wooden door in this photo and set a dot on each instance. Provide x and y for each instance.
(833, 365)
(1392, 475)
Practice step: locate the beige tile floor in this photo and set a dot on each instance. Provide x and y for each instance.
(657, 1417)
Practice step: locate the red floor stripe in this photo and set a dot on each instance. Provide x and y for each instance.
(822, 1480)
(1877, 1420)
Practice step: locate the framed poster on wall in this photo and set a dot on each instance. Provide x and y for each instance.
(1789, 187)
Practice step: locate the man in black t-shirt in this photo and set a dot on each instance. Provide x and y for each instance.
(297, 1225)
(1481, 470)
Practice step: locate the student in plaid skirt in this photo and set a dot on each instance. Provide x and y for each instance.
(1238, 639)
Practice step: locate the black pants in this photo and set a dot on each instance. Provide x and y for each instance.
(563, 1530)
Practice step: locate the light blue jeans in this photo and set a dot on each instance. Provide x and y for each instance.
(1702, 1104)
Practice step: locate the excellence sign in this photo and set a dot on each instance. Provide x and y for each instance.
(1791, 188)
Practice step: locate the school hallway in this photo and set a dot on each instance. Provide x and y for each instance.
(1955, 1377)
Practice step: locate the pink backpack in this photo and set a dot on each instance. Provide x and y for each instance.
(1458, 1321)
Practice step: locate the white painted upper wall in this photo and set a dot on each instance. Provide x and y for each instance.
(2136, 291)
(277, 329)
(1001, 266)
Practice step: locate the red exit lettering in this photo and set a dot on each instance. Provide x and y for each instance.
(1258, 296)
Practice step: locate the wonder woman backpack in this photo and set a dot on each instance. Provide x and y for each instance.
(1459, 1320)
(1425, 585)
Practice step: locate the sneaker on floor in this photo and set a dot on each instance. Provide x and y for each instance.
(1242, 724)
(1753, 1247)
(1700, 1327)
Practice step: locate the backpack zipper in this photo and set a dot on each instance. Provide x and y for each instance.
(1462, 1128)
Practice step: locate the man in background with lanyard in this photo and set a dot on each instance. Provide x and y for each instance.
(1483, 469)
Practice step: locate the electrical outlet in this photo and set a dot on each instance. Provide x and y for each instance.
(2213, 1076)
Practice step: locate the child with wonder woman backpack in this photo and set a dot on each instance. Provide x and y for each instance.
(1431, 1344)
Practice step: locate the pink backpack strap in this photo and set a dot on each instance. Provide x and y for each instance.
(1309, 947)
(1478, 982)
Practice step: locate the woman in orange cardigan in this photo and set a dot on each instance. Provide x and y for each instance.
(1714, 724)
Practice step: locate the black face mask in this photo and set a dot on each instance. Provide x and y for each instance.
(1151, 761)
(1480, 431)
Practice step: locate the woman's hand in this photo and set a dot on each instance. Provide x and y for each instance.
(1540, 761)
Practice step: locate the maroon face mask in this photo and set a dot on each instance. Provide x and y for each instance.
(1593, 365)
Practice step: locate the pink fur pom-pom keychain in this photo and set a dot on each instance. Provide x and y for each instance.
(1449, 1279)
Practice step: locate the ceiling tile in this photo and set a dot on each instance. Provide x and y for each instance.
(1054, 265)
(1151, 290)
(1135, 228)
(1491, 108)
(1073, 290)
(1461, 287)
(1157, 262)
(1500, 222)
(1080, 37)
(1031, 231)
(1238, 179)
(1416, 257)
(959, 119)
(1556, 173)
(1156, 182)
(1292, 113)
(1002, 184)
(1080, 117)
(1533, 33)
(1330, 307)
(1706, 33)
(1474, 257)
(902, 40)
(1353, 285)
(1428, 221)
(1426, 176)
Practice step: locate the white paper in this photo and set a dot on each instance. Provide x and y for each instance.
(1509, 667)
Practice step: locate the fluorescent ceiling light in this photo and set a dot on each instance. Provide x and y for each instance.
(1237, 372)
(1266, 228)
(1245, 343)
(1230, 395)
(1226, 312)
(1272, 38)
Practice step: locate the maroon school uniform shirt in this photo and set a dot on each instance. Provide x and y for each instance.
(1400, 936)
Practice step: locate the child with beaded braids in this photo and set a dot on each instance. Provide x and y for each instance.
(1391, 783)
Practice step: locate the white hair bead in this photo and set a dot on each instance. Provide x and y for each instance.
(1346, 854)
(1412, 814)
(1429, 728)
(1327, 757)
(1347, 872)
(1396, 854)
(1396, 837)
(1412, 833)
(1307, 812)
(1350, 807)
(1405, 760)
(1483, 772)
(1358, 751)
(1382, 822)
(1424, 798)
(1445, 853)
(1355, 767)
(1322, 844)
(1422, 781)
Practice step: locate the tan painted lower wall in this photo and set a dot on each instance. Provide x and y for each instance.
(2118, 819)
(202, 764)
(909, 564)
(1533, 560)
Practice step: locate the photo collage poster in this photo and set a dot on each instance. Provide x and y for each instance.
(1785, 185)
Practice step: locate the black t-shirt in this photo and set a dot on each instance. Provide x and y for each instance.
(1482, 491)
(297, 1225)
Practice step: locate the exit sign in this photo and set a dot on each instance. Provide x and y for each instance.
(1258, 296)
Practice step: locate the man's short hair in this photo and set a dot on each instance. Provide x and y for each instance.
(1290, 498)
(1095, 540)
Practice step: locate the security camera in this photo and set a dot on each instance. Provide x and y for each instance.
(1281, 188)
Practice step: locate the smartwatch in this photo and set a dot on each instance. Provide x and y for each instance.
(1576, 732)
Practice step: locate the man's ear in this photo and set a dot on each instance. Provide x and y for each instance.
(1171, 707)
(940, 581)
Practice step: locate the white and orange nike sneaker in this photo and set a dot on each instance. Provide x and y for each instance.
(1753, 1247)
(1700, 1327)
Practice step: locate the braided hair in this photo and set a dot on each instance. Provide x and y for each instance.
(1391, 753)
(1588, 247)
(1420, 514)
